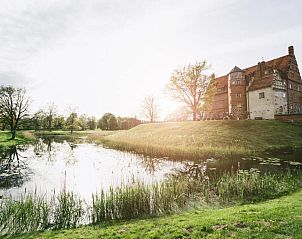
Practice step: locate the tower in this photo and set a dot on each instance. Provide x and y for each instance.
(237, 93)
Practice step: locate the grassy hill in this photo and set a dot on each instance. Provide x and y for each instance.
(205, 138)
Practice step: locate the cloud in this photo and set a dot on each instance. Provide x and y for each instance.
(26, 28)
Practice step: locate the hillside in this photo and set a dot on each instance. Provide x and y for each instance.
(206, 138)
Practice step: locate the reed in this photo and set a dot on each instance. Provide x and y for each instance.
(68, 210)
(65, 210)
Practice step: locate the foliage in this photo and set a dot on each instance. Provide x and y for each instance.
(189, 85)
(108, 122)
(91, 123)
(71, 121)
(205, 109)
(125, 123)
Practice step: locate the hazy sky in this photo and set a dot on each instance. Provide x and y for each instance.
(106, 56)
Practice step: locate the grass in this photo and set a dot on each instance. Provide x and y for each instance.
(194, 140)
(22, 137)
(66, 210)
(278, 218)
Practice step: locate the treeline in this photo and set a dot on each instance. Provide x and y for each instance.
(43, 121)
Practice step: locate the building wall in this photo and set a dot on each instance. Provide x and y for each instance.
(294, 90)
(237, 95)
(280, 102)
(263, 107)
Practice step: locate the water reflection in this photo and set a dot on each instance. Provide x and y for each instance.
(13, 168)
(53, 163)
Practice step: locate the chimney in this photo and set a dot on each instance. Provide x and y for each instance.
(291, 51)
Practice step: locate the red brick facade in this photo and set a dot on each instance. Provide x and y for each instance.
(232, 90)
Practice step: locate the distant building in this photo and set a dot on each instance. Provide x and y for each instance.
(264, 91)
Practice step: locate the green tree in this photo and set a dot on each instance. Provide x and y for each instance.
(14, 104)
(208, 98)
(189, 84)
(103, 123)
(112, 123)
(59, 122)
(91, 122)
(71, 122)
(38, 119)
(82, 121)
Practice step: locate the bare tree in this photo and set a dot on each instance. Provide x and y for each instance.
(149, 109)
(14, 105)
(189, 85)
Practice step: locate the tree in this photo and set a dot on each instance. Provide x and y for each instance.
(112, 123)
(83, 122)
(71, 121)
(149, 109)
(50, 113)
(189, 84)
(14, 104)
(91, 122)
(125, 123)
(208, 98)
(59, 122)
(38, 119)
(103, 122)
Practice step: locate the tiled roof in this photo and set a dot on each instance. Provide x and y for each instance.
(281, 63)
(263, 82)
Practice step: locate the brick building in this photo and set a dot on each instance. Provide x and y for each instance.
(263, 91)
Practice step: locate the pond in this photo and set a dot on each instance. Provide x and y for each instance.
(53, 164)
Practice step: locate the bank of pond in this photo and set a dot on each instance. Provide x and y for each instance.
(63, 183)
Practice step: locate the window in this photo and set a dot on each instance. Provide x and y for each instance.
(238, 82)
(238, 95)
(261, 95)
(284, 95)
(290, 86)
(298, 88)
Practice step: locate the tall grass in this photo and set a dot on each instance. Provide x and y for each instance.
(174, 152)
(68, 210)
(31, 213)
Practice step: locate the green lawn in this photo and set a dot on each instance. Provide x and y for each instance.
(21, 138)
(205, 138)
(278, 218)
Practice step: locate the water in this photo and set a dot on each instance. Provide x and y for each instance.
(54, 164)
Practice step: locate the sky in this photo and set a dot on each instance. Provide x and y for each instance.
(106, 56)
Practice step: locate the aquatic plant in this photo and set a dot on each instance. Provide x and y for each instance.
(65, 210)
